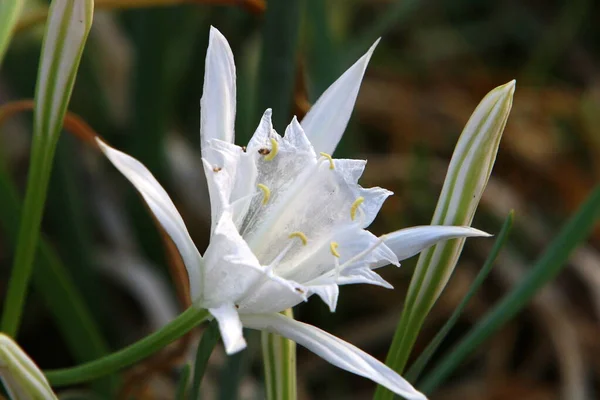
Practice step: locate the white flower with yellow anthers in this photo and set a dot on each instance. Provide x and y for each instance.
(288, 220)
(22, 379)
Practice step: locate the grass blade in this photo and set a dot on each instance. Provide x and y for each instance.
(394, 15)
(209, 340)
(69, 24)
(552, 261)
(9, 15)
(417, 368)
(183, 383)
(52, 281)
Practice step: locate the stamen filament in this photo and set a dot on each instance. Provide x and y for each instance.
(364, 252)
(274, 150)
(328, 156)
(355, 206)
(266, 193)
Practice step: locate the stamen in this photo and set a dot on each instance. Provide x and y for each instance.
(363, 253)
(288, 247)
(328, 156)
(333, 248)
(300, 236)
(266, 193)
(354, 207)
(274, 150)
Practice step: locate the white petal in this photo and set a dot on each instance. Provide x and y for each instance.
(230, 175)
(328, 293)
(327, 119)
(363, 275)
(295, 137)
(262, 133)
(336, 351)
(230, 267)
(410, 241)
(218, 96)
(163, 209)
(230, 327)
(273, 294)
(357, 248)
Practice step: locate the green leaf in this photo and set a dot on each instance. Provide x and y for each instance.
(66, 32)
(209, 340)
(467, 176)
(183, 383)
(552, 261)
(279, 360)
(394, 15)
(9, 15)
(51, 279)
(417, 368)
(278, 60)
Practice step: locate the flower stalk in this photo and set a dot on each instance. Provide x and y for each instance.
(131, 354)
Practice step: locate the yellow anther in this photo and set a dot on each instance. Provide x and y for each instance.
(266, 193)
(333, 247)
(328, 156)
(274, 150)
(300, 236)
(354, 207)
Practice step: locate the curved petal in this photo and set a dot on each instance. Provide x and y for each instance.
(163, 209)
(335, 350)
(410, 241)
(327, 119)
(217, 106)
(230, 327)
(329, 293)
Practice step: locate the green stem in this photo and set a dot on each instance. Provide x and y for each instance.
(131, 354)
(279, 358)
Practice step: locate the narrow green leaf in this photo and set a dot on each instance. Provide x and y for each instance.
(66, 32)
(467, 176)
(393, 16)
(52, 281)
(417, 368)
(183, 383)
(209, 340)
(9, 15)
(278, 60)
(279, 360)
(323, 65)
(551, 262)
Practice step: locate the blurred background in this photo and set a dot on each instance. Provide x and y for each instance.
(139, 86)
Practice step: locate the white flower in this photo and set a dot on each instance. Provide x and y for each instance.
(288, 220)
(22, 379)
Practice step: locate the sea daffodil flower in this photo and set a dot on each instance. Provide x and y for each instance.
(288, 220)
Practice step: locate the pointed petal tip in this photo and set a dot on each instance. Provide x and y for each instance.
(508, 88)
(235, 347)
(478, 233)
